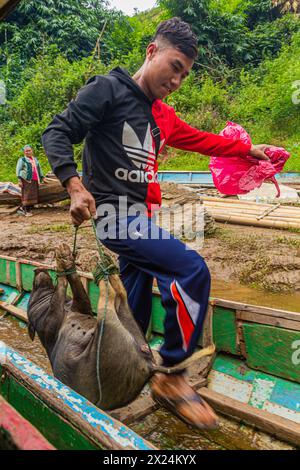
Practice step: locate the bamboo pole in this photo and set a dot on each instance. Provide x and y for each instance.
(288, 218)
(258, 207)
(254, 211)
(257, 223)
(268, 211)
(229, 201)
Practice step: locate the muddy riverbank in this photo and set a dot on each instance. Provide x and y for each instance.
(264, 259)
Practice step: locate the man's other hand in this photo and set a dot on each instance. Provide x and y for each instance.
(83, 205)
(258, 151)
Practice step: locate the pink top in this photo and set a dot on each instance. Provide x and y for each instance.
(35, 176)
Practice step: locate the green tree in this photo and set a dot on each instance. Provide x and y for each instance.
(227, 33)
(38, 27)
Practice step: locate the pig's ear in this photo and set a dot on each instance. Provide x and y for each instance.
(31, 331)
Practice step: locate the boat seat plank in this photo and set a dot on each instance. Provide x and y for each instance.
(281, 428)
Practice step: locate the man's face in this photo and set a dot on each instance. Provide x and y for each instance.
(166, 69)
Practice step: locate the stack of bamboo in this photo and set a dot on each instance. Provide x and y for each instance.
(251, 213)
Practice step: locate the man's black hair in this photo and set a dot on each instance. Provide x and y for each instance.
(180, 35)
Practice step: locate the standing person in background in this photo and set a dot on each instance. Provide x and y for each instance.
(30, 175)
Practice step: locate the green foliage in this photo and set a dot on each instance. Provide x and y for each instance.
(235, 33)
(50, 85)
(202, 102)
(264, 100)
(73, 26)
(40, 27)
(247, 68)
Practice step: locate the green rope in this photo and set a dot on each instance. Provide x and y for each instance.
(73, 270)
(76, 228)
(104, 269)
(99, 343)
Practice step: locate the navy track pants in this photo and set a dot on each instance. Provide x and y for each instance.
(146, 252)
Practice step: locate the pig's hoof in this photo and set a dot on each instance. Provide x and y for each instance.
(64, 258)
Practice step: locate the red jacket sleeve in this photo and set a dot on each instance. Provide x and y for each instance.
(186, 137)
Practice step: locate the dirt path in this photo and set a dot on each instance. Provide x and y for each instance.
(268, 259)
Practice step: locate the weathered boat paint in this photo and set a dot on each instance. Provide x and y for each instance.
(71, 402)
(233, 378)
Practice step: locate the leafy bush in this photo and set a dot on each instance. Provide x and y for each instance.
(50, 85)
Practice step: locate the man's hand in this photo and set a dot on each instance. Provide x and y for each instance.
(258, 151)
(83, 205)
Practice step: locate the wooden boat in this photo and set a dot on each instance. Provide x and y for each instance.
(52, 191)
(254, 375)
(33, 399)
(204, 178)
(6, 6)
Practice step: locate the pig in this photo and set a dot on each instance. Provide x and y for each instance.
(122, 362)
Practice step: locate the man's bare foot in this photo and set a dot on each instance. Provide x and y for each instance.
(174, 393)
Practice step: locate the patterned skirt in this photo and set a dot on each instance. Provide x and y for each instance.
(30, 193)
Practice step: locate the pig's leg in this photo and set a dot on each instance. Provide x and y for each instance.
(124, 312)
(81, 302)
(106, 302)
(65, 262)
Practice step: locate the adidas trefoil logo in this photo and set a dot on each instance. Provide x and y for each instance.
(141, 154)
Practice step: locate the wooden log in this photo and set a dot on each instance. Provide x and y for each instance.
(138, 410)
(281, 428)
(49, 192)
(15, 311)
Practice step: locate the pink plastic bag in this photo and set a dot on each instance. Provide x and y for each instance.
(237, 175)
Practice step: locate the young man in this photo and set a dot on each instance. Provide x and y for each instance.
(125, 125)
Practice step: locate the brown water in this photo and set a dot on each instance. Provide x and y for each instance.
(14, 333)
(248, 295)
(167, 432)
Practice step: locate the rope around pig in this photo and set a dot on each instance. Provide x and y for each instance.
(104, 268)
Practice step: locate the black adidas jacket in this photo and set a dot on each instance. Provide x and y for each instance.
(119, 157)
